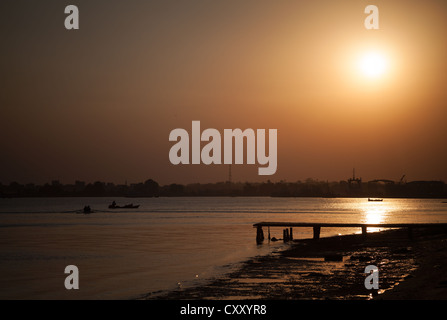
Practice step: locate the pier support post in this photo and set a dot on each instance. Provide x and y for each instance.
(291, 234)
(285, 235)
(259, 235)
(364, 231)
(317, 233)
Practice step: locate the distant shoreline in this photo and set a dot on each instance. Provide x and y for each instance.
(352, 188)
(219, 196)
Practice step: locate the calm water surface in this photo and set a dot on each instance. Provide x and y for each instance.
(165, 243)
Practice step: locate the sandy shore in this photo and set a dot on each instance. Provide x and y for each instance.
(333, 268)
(429, 280)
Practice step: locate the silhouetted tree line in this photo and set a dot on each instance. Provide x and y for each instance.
(307, 188)
(149, 188)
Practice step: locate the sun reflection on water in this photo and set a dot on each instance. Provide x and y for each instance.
(376, 213)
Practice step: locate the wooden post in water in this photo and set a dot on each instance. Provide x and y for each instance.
(286, 235)
(364, 230)
(259, 235)
(291, 234)
(317, 233)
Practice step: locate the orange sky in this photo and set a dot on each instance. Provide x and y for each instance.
(99, 103)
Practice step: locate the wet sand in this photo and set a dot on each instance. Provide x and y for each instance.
(333, 268)
(429, 280)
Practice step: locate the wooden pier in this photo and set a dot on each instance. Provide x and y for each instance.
(288, 235)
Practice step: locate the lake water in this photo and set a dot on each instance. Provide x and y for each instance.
(165, 243)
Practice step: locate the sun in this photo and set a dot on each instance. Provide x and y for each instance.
(373, 64)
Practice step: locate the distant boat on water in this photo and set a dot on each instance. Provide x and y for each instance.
(87, 210)
(371, 199)
(127, 206)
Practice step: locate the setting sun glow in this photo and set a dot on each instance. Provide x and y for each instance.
(373, 64)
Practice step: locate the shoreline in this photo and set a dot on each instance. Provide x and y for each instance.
(429, 280)
(332, 268)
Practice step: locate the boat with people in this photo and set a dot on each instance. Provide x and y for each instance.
(371, 199)
(127, 206)
(87, 210)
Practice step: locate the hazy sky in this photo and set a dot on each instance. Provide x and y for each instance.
(99, 103)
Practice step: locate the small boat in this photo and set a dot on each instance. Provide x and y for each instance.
(127, 206)
(87, 210)
(371, 199)
(131, 206)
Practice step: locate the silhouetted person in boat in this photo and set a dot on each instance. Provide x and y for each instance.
(87, 209)
(113, 204)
